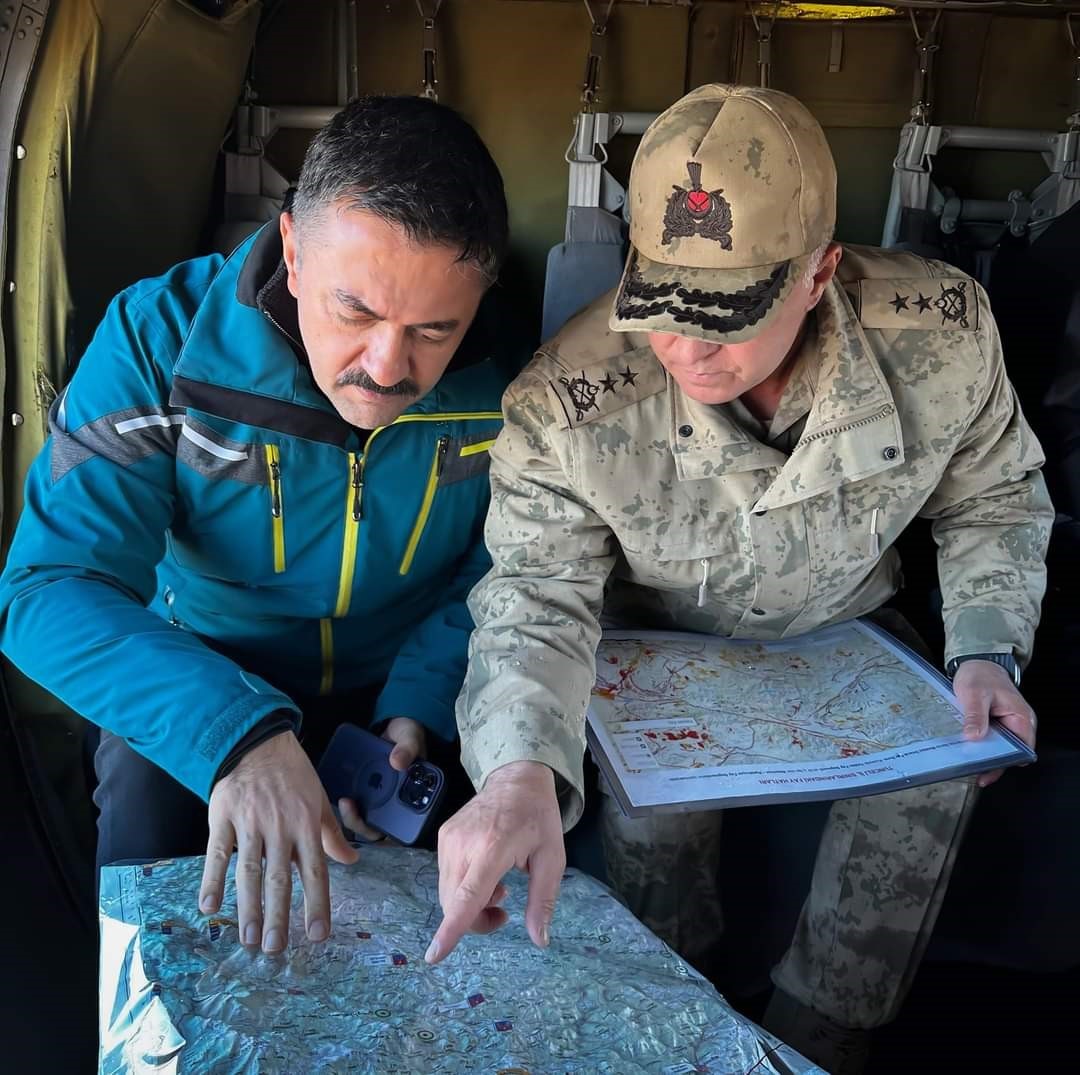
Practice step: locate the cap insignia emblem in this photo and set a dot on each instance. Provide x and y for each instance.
(697, 212)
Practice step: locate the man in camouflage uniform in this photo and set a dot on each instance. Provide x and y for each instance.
(732, 443)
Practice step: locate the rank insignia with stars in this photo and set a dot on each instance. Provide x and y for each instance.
(949, 302)
(607, 384)
(628, 376)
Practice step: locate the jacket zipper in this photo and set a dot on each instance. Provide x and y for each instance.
(277, 513)
(425, 504)
(883, 413)
(288, 335)
(353, 513)
(354, 509)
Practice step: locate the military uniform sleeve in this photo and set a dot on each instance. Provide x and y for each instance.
(991, 520)
(532, 653)
(100, 498)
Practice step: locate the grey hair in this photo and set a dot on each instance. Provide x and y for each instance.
(816, 258)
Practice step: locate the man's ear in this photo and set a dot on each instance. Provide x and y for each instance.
(830, 262)
(290, 252)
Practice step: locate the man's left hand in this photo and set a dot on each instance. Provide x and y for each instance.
(410, 743)
(985, 690)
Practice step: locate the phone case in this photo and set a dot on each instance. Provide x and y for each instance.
(356, 765)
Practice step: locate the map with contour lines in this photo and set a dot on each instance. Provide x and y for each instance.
(181, 995)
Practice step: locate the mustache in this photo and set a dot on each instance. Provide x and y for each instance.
(362, 379)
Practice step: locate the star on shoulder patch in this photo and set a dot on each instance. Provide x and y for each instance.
(933, 303)
(583, 395)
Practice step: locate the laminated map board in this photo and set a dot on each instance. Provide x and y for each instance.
(681, 721)
(180, 995)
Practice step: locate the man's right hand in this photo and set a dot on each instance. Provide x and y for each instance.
(513, 821)
(272, 807)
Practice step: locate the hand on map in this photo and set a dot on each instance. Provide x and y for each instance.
(985, 690)
(513, 821)
(410, 743)
(272, 807)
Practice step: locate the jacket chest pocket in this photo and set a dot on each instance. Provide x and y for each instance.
(849, 531)
(690, 546)
(454, 460)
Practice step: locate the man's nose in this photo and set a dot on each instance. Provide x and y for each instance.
(687, 350)
(386, 357)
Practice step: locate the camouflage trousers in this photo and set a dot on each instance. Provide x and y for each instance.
(878, 883)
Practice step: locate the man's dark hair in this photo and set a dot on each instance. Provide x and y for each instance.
(417, 165)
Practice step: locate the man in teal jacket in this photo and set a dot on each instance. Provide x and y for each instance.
(266, 485)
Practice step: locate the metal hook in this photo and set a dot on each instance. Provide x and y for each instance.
(590, 83)
(764, 37)
(430, 80)
(925, 45)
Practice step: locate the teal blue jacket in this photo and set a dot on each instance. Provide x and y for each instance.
(205, 540)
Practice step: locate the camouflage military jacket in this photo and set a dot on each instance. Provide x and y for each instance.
(611, 490)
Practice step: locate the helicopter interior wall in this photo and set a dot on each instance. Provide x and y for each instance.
(514, 68)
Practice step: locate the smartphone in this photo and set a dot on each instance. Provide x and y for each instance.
(356, 765)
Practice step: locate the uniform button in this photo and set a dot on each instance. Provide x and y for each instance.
(890, 452)
(686, 431)
(758, 611)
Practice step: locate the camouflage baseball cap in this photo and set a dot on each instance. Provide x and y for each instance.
(732, 191)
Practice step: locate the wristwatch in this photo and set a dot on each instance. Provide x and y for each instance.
(1006, 660)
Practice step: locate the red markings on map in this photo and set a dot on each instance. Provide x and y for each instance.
(676, 735)
(473, 1001)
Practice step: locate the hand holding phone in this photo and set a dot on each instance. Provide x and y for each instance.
(356, 766)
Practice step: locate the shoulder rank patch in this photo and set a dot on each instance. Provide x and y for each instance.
(930, 303)
(585, 394)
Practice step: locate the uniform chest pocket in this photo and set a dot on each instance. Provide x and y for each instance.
(848, 527)
(679, 548)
